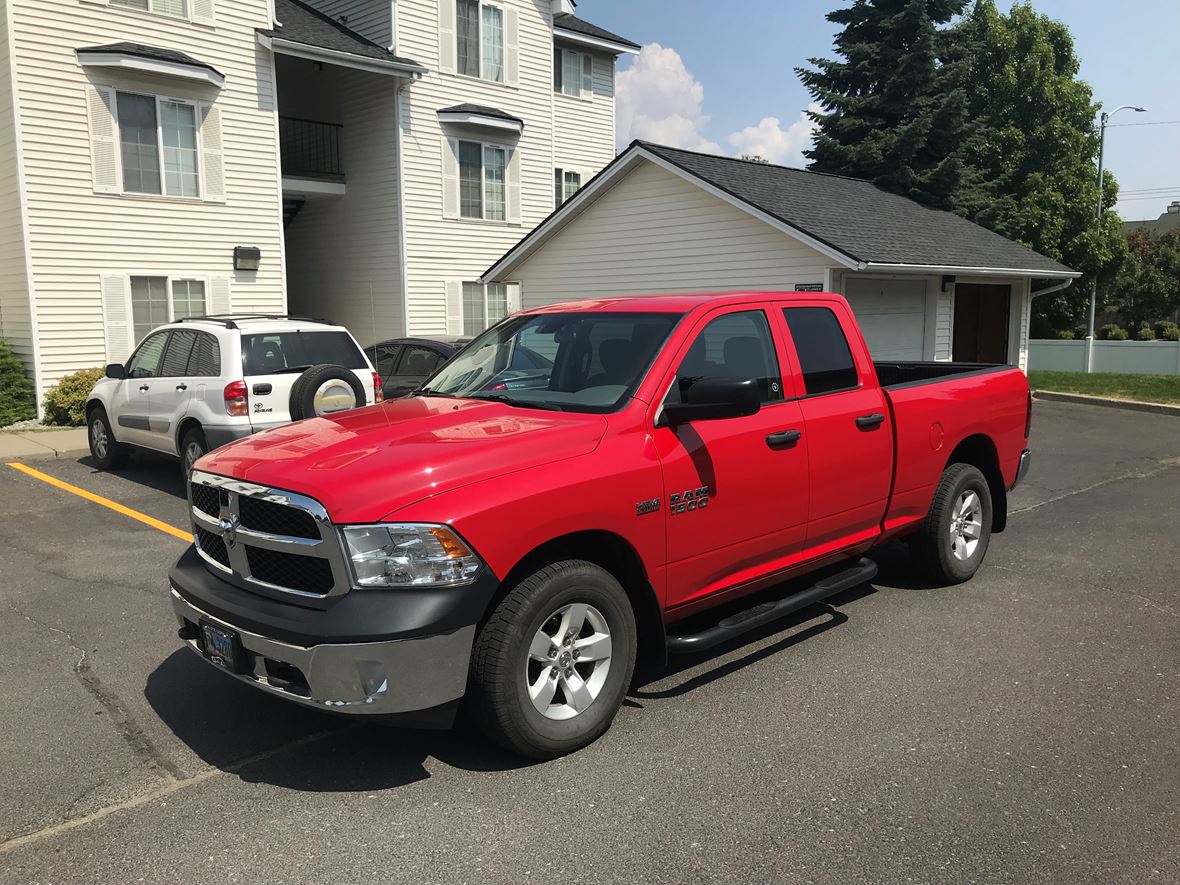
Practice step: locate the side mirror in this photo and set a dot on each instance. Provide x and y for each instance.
(712, 398)
(116, 371)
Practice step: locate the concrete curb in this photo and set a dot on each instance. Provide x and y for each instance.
(38, 445)
(1133, 405)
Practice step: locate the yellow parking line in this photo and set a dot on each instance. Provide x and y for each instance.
(105, 502)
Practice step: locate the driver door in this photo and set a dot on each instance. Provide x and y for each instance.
(735, 489)
(131, 403)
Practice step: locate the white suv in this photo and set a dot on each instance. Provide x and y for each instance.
(199, 383)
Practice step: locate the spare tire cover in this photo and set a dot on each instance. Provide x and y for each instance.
(325, 389)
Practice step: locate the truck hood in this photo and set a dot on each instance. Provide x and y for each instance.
(365, 464)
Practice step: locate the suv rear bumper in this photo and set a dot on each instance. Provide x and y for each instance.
(369, 653)
(218, 435)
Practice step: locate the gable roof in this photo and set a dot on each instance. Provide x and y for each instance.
(300, 23)
(854, 222)
(569, 22)
(155, 53)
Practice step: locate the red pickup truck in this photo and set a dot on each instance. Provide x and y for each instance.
(562, 494)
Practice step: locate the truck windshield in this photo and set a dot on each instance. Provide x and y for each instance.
(575, 362)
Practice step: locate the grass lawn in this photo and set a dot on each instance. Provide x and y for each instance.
(1145, 388)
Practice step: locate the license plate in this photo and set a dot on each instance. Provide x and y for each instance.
(222, 647)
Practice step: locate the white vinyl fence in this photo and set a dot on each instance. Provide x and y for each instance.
(1121, 357)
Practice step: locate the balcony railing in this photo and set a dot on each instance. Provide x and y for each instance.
(310, 149)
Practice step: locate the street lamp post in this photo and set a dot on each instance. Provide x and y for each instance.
(1094, 288)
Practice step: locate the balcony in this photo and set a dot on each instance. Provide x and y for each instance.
(310, 151)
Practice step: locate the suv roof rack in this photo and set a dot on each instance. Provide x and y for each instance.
(229, 319)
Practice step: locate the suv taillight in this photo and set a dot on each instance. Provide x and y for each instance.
(1028, 417)
(237, 399)
(378, 394)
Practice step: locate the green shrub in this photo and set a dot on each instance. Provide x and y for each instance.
(17, 400)
(1146, 334)
(65, 403)
(1112, 332)
(1171, 334)
(1065, 335)
(1162, 327)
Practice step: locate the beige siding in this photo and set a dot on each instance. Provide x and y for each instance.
(438, 249)
(943, 334)
(343, 252)
(654, 232)
(78, 235)
(579, 124)
(16, 325)
(369, 18)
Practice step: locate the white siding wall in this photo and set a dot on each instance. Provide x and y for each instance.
(438, 249)
(77, 235)
(15, 320)
(580, 122)
(343, 252)
(654, 232)
(369, 18)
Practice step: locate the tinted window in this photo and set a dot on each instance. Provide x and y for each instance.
(419, 360)
(296, 351)
(145, 363)
(205, 359)
(384, 358)
(180, 349)
(737, 345)
(823, 350)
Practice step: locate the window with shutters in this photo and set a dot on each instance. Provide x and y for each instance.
(177, 8)
(566, 183)
(483, 306)
(573, 73)
(158, 145)
(159, 300)
(479, 40)
(482, 181)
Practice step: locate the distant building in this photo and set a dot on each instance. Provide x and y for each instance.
(1169, 221)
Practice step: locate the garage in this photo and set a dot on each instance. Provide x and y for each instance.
(924, 284)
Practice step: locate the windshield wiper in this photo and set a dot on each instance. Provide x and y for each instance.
(426, 391)
(513, 401)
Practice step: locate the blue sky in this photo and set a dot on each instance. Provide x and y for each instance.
(727, 67)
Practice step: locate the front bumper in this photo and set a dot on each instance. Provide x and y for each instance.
(1022, 470)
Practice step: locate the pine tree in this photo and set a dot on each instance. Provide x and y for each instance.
(892, 112)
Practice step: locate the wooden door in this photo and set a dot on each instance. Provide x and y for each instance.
(981, 323)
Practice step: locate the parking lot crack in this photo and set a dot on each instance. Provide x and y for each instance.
(1162, 466)
(120, 717)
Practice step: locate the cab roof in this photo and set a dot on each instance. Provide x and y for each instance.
(681, 302)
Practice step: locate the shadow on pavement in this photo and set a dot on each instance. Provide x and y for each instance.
(147, 469)
(229, 725)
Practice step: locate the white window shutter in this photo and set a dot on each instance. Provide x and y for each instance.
(450, 163)
(513, 290)
(212, 156)
(513, 185)
(454, 307)
(104, 140)
(202, 11)
(219, 296)
(116, 318)
(511, 47)
(446, 36)
(587, 75)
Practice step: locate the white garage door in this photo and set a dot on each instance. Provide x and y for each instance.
(892, 315)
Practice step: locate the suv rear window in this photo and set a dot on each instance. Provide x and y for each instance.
(295, 351)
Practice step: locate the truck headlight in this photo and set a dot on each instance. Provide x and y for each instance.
(409, 555)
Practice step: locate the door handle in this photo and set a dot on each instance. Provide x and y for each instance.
(182, 386)
(783, 439)
(870, 422)
(144, 387)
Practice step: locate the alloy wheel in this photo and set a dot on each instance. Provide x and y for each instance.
(966, 525)
(98, 437)
(568, 661)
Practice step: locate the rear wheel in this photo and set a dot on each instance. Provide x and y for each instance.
(551, 667)
(108, 453)
(951, 545)
(192, 447)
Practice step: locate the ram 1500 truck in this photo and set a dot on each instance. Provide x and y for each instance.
(518, 538)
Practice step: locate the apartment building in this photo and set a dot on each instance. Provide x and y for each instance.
(363, 160)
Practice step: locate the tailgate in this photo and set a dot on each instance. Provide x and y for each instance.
(274, 361)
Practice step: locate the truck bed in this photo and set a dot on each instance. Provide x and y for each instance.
(892, 374)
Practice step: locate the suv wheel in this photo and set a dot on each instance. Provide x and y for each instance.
(192, 447)
(950, 546)
(551, 667)
(107, 452)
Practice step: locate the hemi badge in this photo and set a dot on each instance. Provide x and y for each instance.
(649, 506)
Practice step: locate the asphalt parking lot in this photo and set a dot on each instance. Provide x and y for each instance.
(1022, 728)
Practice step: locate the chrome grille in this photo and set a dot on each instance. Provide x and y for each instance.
(267, 539)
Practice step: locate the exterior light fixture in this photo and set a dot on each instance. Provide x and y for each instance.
(247, 257)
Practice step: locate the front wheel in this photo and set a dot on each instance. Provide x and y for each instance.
(950, 546)
(551, 667)
(108, 453)
(192, 447)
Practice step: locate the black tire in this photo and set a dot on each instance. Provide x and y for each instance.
(193, 440)
(934, 546)
(498, 689)
(107, 452)
(303, 391)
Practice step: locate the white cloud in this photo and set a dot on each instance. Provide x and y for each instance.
(658, 99)
(771, 141)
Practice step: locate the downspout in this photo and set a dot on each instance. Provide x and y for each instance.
(1059, 287)
(1033, 293)
(401, 203)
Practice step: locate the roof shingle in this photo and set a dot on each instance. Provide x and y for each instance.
(153, 52)
(568, 22)
(300, 23)
(482, 110)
